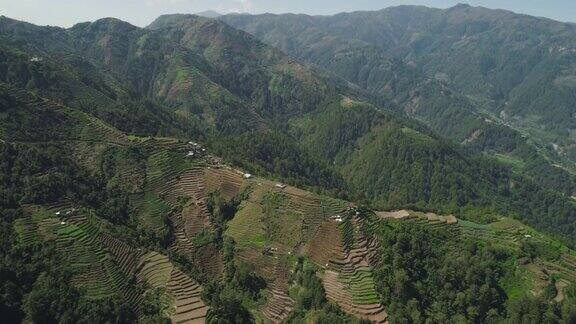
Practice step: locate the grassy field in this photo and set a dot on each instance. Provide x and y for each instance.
(154, 211)
(515, 163)
(246, 228)
(282, 225)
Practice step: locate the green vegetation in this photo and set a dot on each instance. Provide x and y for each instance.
(246, 227)
(263, 120)
(475, 95)
(311, 303)
(97, 184)
(53, 300)
(154, 212)
(242, 287)
(165, 165)
(426, 275)
(361, 285)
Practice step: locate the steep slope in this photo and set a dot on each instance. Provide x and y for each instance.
(71, 216)
(143, 222)
(471, 47)
(256, 107)
(46, 61)
(432, 63)
(391, 53)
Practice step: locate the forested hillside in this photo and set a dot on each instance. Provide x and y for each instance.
(117, 228)
(150, 174)
(490, 79)
(199, 77)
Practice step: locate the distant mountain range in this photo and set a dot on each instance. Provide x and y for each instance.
(490, 79)
(208, 14)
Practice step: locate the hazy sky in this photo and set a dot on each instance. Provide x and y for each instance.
(142, 12)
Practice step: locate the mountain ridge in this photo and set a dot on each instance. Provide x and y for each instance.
(288, 94)
(213, 177)
(373, 62)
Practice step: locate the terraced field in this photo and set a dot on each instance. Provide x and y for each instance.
(158, 144)
(26, 229)
(247, 228)
(153, 211)
(503, 237)
(104, 266)
(504, 232)
(325, 245)
(98, 130)
(275, 222)
(340, 293)
(64, 124)
(95, 270)
(282, 217)
(210, 260)
(305, 223)
(155, 269)
(313, 209)
(181, 184)
(188, 306)
(189, 186)
(347, 257)
(226, 181)
(431, 220)
(279, 305)
(564, 270)
(163, 168)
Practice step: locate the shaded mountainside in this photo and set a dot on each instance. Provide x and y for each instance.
(492, 80)
(264, 111)
(117, 205)
(492, 54)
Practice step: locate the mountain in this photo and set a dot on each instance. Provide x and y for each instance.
(125, 193)
(354, 142)
(208, 14)
(254, 105)
(266, 112)
(126, 228)
(490, 79)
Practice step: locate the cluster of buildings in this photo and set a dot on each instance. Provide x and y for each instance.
(68, 212)
(195, 150)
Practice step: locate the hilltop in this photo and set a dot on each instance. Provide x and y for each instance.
(493, 80)
(209, 14)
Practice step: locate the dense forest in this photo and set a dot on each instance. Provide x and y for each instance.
(515, 109)
(188, 171)
(424, 277)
